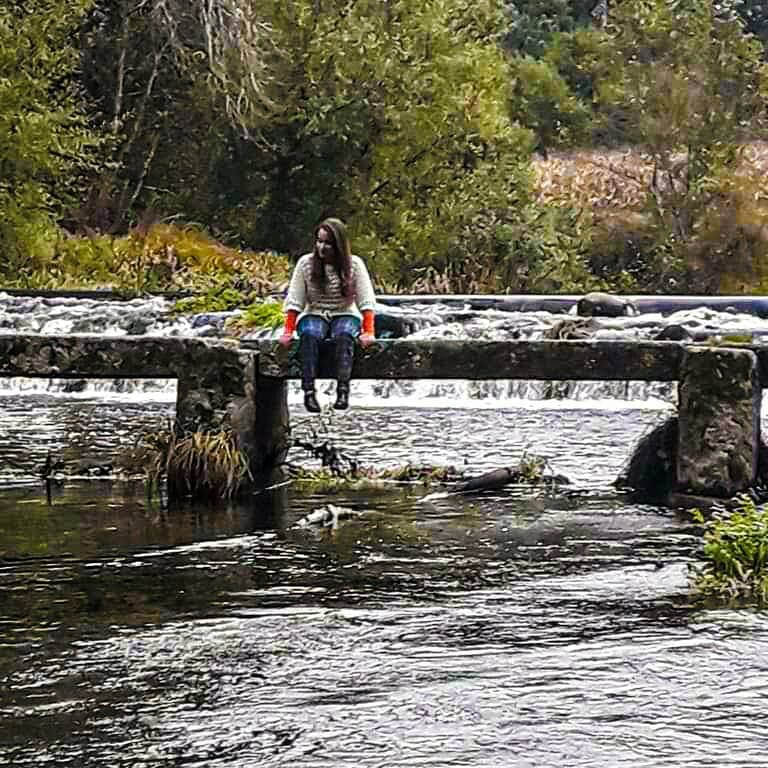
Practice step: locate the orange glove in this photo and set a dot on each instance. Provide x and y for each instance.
(289, 328)
(368, 336)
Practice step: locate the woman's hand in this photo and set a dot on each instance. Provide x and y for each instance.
(286, 339)
(366, 339)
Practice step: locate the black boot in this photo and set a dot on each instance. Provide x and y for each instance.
(345, 355)
(310, 401)
(342, 396)
(309, 350)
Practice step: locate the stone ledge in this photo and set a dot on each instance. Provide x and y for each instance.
(112, 356)
(465, 359)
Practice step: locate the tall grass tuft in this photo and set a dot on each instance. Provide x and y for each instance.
(206, 466)
(735, 554)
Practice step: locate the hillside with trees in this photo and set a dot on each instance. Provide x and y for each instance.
(471, 145)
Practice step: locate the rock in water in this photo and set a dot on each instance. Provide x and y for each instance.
(327, 516)
(604, 305)
(650, 472)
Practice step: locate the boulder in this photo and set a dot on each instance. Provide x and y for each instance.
(604, 305)
(650, 472)
(674, 332)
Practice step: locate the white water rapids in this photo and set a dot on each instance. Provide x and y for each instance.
(153, 317)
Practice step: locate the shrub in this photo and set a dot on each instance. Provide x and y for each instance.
(162, 257)
(261, 314)
(735, 553)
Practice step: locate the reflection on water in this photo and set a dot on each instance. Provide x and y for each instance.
(518, 628)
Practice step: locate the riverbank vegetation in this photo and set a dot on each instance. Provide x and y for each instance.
(471, 146)
(735, 554)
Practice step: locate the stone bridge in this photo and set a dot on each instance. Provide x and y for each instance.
(243, 385)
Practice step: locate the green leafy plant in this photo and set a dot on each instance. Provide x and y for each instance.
(735, 553)
(532, 467)
(220, 297)
(261, 314)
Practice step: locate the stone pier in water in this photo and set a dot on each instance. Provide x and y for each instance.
(243, 385)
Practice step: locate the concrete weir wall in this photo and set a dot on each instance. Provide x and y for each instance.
(243, 385)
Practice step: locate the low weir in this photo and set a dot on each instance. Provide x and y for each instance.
(244, 385)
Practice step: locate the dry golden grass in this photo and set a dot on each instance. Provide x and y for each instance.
(619, 179)
(728, 248)
(197, 465)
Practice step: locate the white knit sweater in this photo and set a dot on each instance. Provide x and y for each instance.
(309, 299)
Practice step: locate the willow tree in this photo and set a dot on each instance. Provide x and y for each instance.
(392, 114)
(44, 140)
(689, 86)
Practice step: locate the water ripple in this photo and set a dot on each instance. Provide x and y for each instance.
(506, 629)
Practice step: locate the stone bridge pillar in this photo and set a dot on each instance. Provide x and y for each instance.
(719, 398)
(221, 387)
(272, 423)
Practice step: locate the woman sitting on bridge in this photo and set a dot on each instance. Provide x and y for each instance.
(330, 296)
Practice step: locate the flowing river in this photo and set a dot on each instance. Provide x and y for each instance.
(521, 627)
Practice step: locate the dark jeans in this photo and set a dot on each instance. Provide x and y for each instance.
(312, 330)
(314, 325)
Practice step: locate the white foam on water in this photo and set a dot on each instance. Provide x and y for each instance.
(449, 320)
(113, 390)
(492, 395)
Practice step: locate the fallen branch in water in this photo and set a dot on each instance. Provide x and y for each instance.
(339, 469)
(530, 470)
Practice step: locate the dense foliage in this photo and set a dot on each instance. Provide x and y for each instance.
(431, 126)
(735, 554)
(44, 140)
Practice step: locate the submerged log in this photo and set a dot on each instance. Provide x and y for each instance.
(489, 481)
(497, 478)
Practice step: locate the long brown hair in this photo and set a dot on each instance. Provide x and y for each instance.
(342, 255)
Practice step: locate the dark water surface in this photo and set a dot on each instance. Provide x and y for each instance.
(509, 629)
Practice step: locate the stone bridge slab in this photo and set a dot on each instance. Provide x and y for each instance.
(216, 379)
(243, 384)
(466, 359)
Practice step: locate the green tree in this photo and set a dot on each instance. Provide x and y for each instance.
(448, 169)
(148, 85)
(393, 115)
(580, 60)
(259, 118)
(754, 14)
(531, 24)
(542, 101)
(44, 140)
(690, 87)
